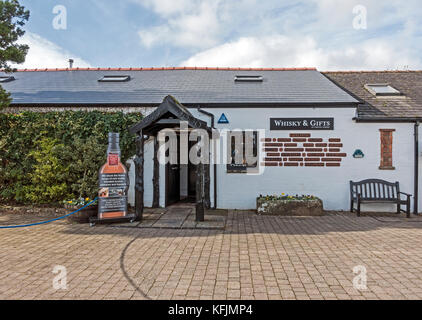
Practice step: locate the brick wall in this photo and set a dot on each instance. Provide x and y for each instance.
(386, 149)
(302, 150)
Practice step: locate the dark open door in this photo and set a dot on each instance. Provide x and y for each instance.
(173, 178)
(192, 177)
(172, 183)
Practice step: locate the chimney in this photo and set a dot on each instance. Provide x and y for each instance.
(70, 63)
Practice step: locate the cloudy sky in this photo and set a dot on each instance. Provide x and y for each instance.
(327, 34)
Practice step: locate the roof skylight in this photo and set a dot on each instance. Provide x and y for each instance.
(382, 89)
(249, 78)
(114, 78)
(6, 78)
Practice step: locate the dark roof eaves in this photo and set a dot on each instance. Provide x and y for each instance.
(387, 119)
(195, 105)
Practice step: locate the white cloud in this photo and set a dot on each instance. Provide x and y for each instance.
(283, 51)
(293, 33)
(151, 36)
(188, 24)
(45, 54)
(168, 8)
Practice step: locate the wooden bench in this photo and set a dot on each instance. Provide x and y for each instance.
(376, 190)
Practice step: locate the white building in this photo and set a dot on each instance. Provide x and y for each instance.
(315, 131)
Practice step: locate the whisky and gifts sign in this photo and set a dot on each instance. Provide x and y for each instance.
(113, 183)
(301, 123)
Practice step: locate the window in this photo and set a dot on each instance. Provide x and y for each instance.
(6, 78)
(386, 149)
(242, 151)
(249, 78)
(382, 89)
(114, 78)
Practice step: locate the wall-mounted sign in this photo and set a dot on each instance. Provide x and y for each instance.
(236, 168)
(358, 154)
(223, 119)
(301, 123)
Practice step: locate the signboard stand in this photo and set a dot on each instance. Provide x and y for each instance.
(113, 187)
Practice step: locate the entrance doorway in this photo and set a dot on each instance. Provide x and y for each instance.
(180, 179)
(172, 183)
(169, 114)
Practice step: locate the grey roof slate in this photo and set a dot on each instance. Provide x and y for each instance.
(409, 83)
(189, 86)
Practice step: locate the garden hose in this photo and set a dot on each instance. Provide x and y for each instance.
(48, 221)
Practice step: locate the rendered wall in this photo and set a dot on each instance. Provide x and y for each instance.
(331, 184)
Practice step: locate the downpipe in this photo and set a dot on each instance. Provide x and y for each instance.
(416, 169)
(215, 165)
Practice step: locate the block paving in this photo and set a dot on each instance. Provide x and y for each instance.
(253, 257)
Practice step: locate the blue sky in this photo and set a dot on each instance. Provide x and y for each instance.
(327, 34)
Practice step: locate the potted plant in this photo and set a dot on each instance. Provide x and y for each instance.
(289, 205)
(83, 215)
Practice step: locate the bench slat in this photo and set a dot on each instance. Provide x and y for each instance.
(377, 190)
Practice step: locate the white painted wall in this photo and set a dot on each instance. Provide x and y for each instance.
(331, 184)
(131, 191)
(420, 171)
(148, 175)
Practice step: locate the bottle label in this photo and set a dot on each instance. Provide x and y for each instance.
(112, 195)
(113, 180)
(113, 159)
(116, 205)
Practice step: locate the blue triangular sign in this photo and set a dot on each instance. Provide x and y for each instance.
(223, 119)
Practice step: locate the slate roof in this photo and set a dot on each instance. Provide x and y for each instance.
(190, 86)
(409, 83)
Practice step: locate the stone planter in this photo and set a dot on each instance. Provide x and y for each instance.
(83, 215)
(289, 207)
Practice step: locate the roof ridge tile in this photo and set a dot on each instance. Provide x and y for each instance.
(372, 71)
(163, 68)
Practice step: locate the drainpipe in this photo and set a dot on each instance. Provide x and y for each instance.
(215, 165)
(416, 174)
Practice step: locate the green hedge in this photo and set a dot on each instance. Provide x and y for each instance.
(51, 157)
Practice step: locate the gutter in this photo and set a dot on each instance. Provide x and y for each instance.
(215, 164)
(416, 169)
(416, 121)
(387, 119)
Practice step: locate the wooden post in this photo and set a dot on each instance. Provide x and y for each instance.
(200, 192)
(156, 177)
(358, 209)
(207, 176)
(200, 189)
(139, 176)
(207, 186)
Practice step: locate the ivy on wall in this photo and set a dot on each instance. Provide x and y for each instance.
(54, 156)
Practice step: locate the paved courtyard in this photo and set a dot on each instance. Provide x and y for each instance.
(253, 257)
(179, 216)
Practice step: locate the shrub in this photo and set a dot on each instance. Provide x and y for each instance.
(50, 157)
(48, 177)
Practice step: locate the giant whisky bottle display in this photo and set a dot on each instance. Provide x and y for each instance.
(113, 184)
